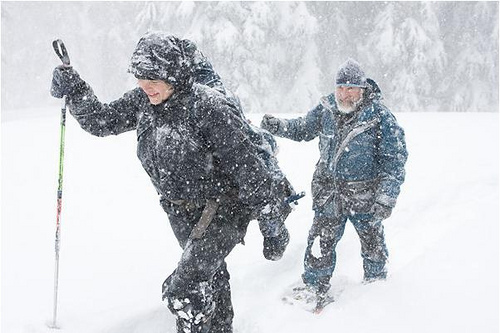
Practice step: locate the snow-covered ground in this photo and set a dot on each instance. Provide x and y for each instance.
(117, 246)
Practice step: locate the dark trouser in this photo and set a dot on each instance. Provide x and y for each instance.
(198, 291)
(329, 231)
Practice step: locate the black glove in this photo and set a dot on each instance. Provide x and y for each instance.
(272, 217)
(274, 247)
(65, 81)
(380, 211)
(270, 123)
(272, 226)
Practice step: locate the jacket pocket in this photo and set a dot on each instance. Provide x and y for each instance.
(358, 197)
(322, 188)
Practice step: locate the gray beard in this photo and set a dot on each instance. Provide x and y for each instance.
(350, 108)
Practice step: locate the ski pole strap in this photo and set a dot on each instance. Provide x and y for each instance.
(61, 51)
(206, 218)
(293, 198)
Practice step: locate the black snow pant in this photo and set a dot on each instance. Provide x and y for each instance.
(198, 291)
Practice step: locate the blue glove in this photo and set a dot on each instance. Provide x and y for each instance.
(65, 81)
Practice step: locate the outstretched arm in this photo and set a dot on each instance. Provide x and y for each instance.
(97, 118)
(298, 129)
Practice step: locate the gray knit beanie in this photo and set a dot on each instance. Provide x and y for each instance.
(350, 74)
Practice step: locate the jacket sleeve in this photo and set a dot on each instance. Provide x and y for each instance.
(392, 156)
(102, 119)
(302, 128)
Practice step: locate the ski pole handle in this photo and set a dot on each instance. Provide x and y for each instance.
(61, 51)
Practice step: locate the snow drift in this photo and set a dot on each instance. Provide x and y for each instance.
(117, 246)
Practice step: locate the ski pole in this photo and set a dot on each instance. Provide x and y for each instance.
(293, 198)
(61, 52)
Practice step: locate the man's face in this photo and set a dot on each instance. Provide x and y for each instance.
(348, 98)
(158, 91)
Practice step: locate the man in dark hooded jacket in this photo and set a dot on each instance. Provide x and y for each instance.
(205, 162)
(358, 175)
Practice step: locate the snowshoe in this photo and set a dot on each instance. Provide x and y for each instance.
(322, 300)
(307, 298)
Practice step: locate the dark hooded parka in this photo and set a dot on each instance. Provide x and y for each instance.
(195, 147)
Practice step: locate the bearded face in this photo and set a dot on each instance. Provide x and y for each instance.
(348, 98)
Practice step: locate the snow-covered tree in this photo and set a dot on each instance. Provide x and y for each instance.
(405, 45)
(333, 39)
(277, 56)
(148, 16)
(264, 51)
(301, 55)
(473, 70)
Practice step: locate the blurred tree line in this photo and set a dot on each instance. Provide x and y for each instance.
(276, 56)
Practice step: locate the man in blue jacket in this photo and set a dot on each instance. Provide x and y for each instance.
(357, 177)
